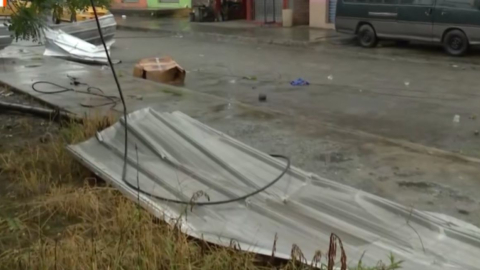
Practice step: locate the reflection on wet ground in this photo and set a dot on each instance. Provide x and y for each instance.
(239, 28)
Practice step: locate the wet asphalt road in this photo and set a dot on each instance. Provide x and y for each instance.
(409, 93)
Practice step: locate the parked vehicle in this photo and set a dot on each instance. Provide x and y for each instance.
(453, 23)
(5, 36)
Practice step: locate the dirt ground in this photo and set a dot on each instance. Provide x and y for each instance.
(16, 129)
(19, 130)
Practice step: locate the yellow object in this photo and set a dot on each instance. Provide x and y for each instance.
(9, 9)
(66, 16)
(6, 11)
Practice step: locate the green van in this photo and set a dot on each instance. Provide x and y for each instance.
(453, 23)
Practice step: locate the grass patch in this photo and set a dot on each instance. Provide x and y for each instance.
(55, 214)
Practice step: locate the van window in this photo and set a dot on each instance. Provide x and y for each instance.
(457, 3)
(417, 2)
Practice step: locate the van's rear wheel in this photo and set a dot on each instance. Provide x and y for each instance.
(455, 43)
(366, 36)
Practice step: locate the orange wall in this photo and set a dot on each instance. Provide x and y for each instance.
(122, 4)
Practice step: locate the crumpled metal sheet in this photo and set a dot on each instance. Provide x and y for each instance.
(87, 30)
(61, 44)
(178, 156)
(5, 36)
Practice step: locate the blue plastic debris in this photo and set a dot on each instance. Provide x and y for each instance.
(299, 82)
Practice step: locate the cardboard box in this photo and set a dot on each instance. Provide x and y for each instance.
(164, 70)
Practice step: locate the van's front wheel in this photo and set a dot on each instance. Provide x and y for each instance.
(366, 36)
(455, 43)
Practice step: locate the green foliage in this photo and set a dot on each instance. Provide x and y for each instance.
(25, 22)
(28, 20)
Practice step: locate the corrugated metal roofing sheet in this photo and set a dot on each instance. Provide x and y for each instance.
(178, 156)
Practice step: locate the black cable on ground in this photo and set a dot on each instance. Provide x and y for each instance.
(113, 100)
(125, 156)
(285, 170)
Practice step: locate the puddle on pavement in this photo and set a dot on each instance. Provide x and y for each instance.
(25, 67)
(221, 107)
(231, 109)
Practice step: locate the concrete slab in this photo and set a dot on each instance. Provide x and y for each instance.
(21, 76)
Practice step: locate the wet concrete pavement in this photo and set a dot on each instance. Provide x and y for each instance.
(237, 30)
(360, 138)
(407, 98)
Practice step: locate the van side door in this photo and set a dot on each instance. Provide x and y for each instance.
(459, 14)
(415, 19)
(381, 14)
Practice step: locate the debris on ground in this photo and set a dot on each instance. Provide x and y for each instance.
(262, 97)
(5, 93)
(77, 41)
(299, 82)
(330, 77)
(87, 31)
(160, 69)
(473, 117)
(63, 45)
(296, 207)
(456, 118)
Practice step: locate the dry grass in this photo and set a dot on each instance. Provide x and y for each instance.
(56, 215)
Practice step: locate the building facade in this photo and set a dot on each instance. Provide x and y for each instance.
(316, 13)
(270, 11)
(169, 4)
(151, 4)
(322, 13)
(129, 4)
